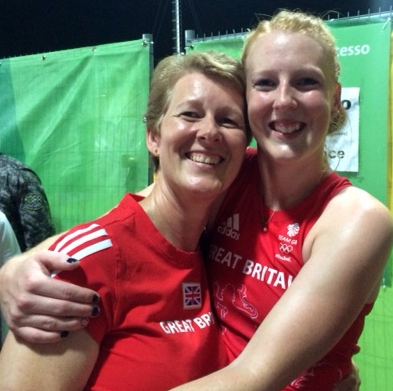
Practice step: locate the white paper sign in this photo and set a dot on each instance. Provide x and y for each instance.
(342, 147)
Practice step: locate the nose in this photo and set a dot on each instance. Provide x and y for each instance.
(209, 130)
(284, 98)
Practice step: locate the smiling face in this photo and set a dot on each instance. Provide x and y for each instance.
(290, 95)
(202, 139)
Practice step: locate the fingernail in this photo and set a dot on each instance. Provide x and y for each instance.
(95, 299)
(95, 311)
(85, 321)
(64, 334)
(71, 260)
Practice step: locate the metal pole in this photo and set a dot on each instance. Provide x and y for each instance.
(177, 26)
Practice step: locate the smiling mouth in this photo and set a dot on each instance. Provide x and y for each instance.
(286, 128)
(206, 159)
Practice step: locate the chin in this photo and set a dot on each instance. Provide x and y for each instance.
(206, 188)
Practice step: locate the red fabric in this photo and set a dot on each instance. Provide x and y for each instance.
(156, 328)
(250, 269)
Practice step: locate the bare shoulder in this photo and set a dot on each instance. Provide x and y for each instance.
(353, 236)
(353, 219)
(358, 205)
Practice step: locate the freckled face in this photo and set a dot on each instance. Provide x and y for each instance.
(202, 136)
(290, 97)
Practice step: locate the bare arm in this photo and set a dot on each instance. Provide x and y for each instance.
(38, 307)
(346, 253)
(47, 367)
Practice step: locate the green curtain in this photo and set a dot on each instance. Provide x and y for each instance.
(75, 116)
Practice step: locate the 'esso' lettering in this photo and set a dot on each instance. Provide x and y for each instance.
(353, 50)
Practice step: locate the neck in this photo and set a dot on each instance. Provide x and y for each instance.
(285, 185)
(180, 220)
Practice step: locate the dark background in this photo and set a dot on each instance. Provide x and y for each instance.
(38, 26)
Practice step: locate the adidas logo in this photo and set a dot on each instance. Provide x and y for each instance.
(230, 227)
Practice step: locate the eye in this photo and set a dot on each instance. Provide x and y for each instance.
(307, 83)
(189, 115)
(264, 84)
(229, 123)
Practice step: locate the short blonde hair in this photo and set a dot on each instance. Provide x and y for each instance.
(213, 64)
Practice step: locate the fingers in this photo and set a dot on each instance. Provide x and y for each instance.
(30, 274)
(40, 336)
(51, 260)
(38, 307)
(42, 285)
(48, 261)
(51, 324)
(32, 305)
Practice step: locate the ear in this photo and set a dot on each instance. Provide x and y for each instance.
(152, 142)
(337, 97)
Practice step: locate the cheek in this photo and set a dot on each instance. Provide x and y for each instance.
(237, 138)
(236, 142)
(173, 133)
(318, 101)
(257, 105)
(317, 104)
(321, 113)
(240, 147)
(239, 151)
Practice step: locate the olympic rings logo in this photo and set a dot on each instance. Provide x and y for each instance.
(285, 248)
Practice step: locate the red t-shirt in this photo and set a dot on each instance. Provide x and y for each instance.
(156, 329)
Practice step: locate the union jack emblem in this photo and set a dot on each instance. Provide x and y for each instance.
(192, 296)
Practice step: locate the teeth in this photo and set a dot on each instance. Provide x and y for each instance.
(199, 158)
(286, 128)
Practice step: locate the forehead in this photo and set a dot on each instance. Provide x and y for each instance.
(286, 49)
(190, 83)
(198, 86)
